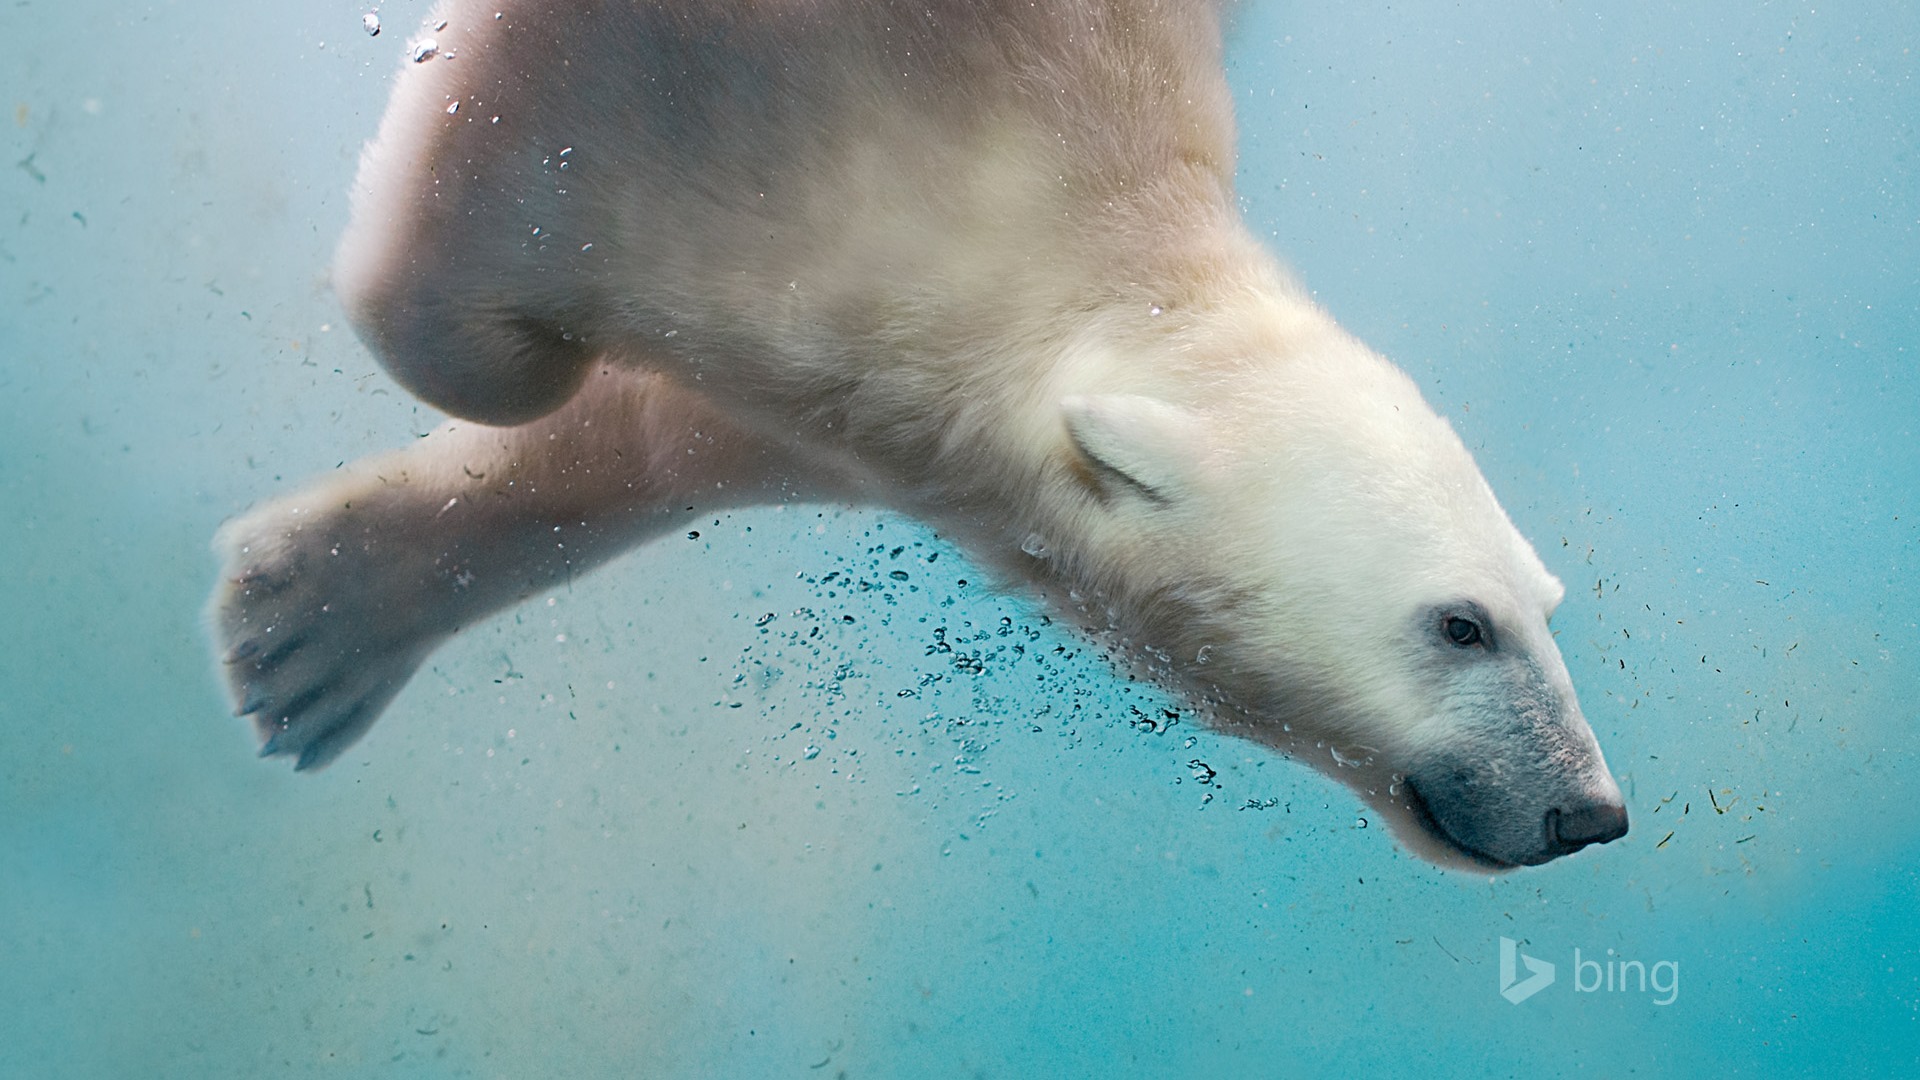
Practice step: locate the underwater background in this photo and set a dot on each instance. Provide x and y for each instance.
(803, 797)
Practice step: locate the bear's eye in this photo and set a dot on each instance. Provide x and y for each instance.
(1463, 632)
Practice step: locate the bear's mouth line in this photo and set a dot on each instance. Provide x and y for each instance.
(1423, 815)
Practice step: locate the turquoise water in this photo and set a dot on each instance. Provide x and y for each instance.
(1661, 269)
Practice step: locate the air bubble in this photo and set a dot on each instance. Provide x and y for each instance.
(1035, 545)
(424, 50)
(371, 21)
(1352, 757)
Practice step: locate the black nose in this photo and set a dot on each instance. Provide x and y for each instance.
(1571, 829)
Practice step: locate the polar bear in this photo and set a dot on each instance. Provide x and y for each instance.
(975, 260)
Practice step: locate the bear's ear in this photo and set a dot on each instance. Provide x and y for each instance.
(1140, 444)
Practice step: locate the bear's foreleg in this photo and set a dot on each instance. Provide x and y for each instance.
(330, 597)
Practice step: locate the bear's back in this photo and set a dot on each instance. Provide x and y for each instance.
(772, 186)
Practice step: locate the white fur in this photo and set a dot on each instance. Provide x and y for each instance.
(978, 261)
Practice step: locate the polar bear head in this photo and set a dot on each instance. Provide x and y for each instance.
(1314, 551)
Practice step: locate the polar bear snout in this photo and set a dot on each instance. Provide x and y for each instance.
(1478, 812)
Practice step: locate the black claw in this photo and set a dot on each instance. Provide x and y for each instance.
(297, 704)
(272, 658)
(242, 651)
(260, 581)
(341, 732)
(253, 704)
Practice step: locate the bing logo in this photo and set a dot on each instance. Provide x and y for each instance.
(1589, 976)
(1512, 987)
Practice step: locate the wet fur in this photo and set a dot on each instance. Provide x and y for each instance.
(977, 261)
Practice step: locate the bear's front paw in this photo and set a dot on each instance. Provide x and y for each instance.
(316, 626)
